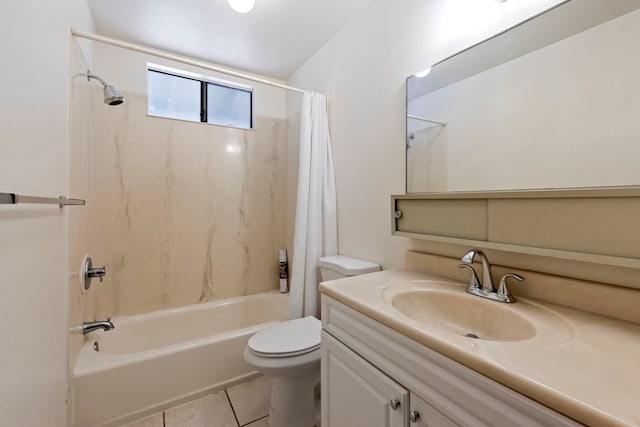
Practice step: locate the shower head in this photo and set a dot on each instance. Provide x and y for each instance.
(111, 95)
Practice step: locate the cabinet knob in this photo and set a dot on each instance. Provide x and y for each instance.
(397, 214)
(395, 404)
(414, 416)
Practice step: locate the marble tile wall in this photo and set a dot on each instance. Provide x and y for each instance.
(427, 159)
(84, 96)
(184, 212)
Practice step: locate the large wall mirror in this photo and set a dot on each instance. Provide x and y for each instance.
(551, 103)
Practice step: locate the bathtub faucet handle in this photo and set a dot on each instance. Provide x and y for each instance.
(88, 272)
(99, 272)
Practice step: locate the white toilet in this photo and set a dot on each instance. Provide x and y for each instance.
(289, 352)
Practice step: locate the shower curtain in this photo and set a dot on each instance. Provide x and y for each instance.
(316, 229)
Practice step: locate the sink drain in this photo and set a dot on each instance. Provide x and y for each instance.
(472, 336)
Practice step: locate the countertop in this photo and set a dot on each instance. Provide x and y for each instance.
(587, 369)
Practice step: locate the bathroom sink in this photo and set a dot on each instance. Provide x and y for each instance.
(463, 314)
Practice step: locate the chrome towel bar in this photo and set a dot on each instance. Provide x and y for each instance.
(14, 199)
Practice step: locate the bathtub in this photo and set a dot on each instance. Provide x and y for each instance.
(153, 361)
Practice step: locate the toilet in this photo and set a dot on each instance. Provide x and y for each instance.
(289, 352)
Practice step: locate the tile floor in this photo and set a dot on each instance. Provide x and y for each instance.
(245, 404)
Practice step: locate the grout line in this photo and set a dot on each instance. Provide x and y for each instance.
(257, 419)
(232, 408)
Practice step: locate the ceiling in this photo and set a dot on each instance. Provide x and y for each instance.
(274, 39)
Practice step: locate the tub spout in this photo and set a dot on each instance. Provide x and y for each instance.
(105, 325)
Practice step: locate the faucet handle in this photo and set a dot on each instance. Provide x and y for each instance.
(474, 282)
(99, 272)
(503, 290)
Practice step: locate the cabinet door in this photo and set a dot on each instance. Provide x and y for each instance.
(421, 414)
(355, 393)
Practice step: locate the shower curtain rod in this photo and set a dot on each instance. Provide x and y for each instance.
(178, 58)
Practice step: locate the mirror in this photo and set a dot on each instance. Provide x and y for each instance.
(553, 102)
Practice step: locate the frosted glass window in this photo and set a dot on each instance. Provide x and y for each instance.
(228, 106)
(173, 96)
(199, 99)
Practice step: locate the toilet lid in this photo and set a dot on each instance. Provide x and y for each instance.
(348, 266)
(289, 338)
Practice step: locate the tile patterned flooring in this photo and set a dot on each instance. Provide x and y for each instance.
(245, 404)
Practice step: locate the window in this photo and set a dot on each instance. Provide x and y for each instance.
(173, 96)
(181, 95)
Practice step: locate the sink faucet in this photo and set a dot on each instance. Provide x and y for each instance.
(105, 325)
(486, 289)
(487, 280)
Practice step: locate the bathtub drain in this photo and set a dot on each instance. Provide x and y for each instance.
(96, 346)
(467, 335)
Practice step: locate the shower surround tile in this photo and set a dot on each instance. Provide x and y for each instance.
(185, 212)
(81, 185)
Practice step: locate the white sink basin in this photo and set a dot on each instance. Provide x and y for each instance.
(445, 306)
(464, 314)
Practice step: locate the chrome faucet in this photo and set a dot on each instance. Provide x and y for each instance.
(487, 280)
(486, 288)
(105, 325)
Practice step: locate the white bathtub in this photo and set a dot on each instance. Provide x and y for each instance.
(152, 361)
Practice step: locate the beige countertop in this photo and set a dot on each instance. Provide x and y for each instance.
(583, 365)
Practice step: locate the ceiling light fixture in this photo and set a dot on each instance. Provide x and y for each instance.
(241, 6)
(423, 73)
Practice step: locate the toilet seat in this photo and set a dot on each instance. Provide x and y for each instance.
(287, 339)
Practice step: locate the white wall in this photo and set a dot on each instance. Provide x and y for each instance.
(34, 43)
(363, 70)
(32, 253)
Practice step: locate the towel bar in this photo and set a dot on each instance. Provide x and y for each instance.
(14, 199)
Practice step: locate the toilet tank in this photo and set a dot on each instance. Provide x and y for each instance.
(338, 266)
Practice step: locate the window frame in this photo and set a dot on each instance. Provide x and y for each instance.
(204, 84)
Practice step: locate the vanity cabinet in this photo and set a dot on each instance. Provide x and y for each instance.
(368, 369)
(361, 395)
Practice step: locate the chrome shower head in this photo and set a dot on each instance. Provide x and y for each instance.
(111, 95)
